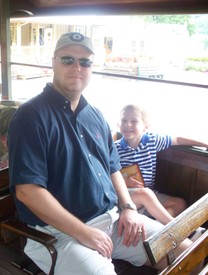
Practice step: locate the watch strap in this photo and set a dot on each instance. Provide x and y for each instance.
(127, 206)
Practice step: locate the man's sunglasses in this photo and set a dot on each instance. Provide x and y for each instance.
(69, 60)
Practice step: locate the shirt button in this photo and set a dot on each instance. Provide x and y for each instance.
(89, 155)
(66, 101)
(81, 136)
(64, 107)
(99, 174)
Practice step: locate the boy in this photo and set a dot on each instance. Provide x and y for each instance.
(139, 146)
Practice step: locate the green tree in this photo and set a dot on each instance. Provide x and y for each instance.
(172, 19)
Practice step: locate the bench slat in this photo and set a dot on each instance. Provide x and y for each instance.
(163, 242)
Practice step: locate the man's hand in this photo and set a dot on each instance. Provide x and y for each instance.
(47, 208)
(131, 225)
(98, 240)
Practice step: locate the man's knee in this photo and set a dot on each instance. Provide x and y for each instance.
(79, 259)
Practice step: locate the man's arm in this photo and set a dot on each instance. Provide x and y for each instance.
(45, 206)
(130, 222)
(121, 189)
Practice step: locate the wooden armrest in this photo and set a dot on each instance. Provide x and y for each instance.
(9, 228)
(164, 242)
(23, 230)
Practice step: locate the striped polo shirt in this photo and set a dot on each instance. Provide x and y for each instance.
(144, 155)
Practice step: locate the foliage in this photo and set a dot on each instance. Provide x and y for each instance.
(172, 19)
(195, 23)
(202, 59)
(196, 69)
(168, 19)
(197, 64)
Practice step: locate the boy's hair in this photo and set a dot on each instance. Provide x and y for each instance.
(142, 112)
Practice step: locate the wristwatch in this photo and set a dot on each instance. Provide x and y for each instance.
(127, 206)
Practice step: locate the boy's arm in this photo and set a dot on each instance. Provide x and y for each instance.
(133, 183)
(187, 141)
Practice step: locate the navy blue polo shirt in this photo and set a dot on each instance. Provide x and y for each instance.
(71, 154)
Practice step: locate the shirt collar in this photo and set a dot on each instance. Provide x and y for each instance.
(145, 139)
(59, 100)
(143, 142)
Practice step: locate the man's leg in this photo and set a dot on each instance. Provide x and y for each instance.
(135, 255)
(73, 258)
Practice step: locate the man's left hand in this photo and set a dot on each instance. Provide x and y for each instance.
(131, 225)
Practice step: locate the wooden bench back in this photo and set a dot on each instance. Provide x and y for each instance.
(4, 178)
(7, 206)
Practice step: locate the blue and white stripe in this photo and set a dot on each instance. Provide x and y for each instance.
(144, 155)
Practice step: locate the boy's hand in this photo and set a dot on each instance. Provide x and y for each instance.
(133, 183)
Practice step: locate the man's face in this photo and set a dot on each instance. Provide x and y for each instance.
(71, 79)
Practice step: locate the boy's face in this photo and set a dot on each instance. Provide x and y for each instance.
(132, 125)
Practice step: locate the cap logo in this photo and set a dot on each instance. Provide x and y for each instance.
(76, 37)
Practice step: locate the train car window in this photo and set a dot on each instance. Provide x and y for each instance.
(169, 47)
(159, 60)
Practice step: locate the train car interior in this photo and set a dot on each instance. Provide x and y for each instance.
(182, 171)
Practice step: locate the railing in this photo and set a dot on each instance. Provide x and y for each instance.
(123, 76)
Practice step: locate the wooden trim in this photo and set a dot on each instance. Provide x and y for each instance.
(107, 7)
(64, 3)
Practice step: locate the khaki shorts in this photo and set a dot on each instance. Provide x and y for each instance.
(74, 258)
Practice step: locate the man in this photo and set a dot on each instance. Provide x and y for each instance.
(64, 171)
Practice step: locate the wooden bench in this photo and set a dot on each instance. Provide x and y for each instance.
(163, 243)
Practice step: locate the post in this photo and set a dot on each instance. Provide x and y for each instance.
(5, 50)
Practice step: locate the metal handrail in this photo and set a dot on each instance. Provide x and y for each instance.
(125, 76)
